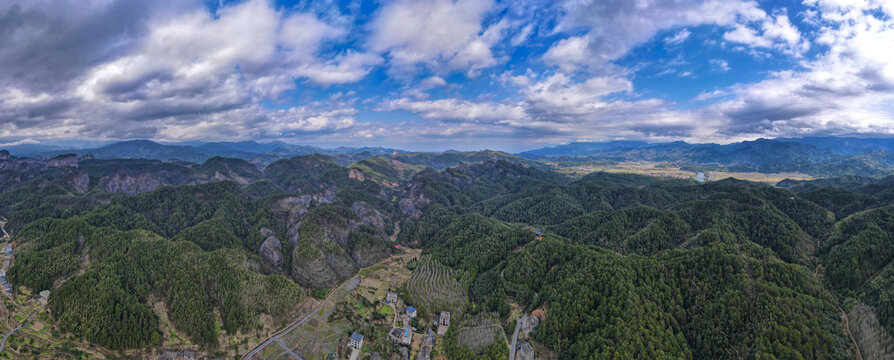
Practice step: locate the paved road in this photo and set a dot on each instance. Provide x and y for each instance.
(13, 331)
(350, 283)
(515, 336)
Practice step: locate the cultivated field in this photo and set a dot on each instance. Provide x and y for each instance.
(770, 178)
(642, 168)
(434, 287)
(668, 170)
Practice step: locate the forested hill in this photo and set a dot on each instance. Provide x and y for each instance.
(638, 267)
(139, 253)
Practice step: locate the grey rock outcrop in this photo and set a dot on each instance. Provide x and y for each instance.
(356, 174)
(131, 184)
(368, 215)
(271, 252)
(408, 208)
(63, 160)
(80, 182)
(265, 232)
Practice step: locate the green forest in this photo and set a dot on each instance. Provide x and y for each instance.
(628, 266)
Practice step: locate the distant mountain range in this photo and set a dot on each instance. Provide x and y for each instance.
(259, 153)
(819, 156)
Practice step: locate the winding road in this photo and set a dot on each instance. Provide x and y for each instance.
(518, 326)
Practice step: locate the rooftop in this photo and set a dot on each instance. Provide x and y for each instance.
(356, 337)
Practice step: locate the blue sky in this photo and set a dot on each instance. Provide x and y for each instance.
(444, 74)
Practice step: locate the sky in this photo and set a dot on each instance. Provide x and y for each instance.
(443, 74)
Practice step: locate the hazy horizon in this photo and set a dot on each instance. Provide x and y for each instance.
(76, 145)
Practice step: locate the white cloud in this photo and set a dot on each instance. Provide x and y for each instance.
(748, 36)
(193, 72)
(616, 26)
(678, 38)
(710, 95)
(346, 68)
(847, 89)
(570, 54)
(190, 74)
(523, 35)
(453, 109)
(777, 33)
(720, 64)
(432, 32)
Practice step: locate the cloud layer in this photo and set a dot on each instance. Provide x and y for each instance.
(435, 74)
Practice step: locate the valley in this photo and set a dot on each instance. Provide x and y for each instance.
(446, 180)
(669, 170)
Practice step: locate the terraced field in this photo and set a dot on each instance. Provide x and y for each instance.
(434, 287)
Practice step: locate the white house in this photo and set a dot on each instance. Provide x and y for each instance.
(356, 341)
(443, 322)
(391, 298)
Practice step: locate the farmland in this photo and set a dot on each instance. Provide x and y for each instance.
(669, 170)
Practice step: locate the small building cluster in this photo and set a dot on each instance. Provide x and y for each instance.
(44, 297)
(428, 344)
(6, 254)
(443, 322)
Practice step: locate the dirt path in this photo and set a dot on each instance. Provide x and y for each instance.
(847, 325)
(847, 329)
(394, 321)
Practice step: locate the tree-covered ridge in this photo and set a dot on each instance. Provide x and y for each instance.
(215, 255)
(730, 266)
(629, 266)
(711, 302)
(109, 303)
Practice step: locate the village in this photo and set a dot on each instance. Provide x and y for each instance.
(6, 258)
(401, 308)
